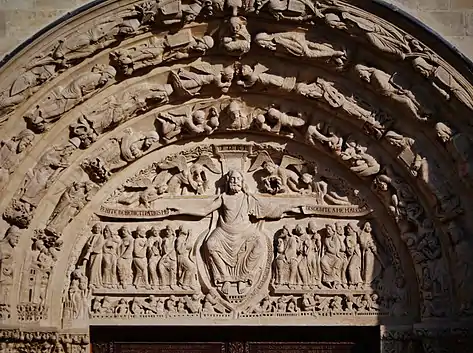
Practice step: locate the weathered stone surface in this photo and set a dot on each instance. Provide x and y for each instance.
(245, 167)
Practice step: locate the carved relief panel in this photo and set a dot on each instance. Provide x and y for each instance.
(235, 231)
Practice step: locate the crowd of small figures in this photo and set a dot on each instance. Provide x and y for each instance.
(45, 342)
(338, 256)
(310, 302)
(189, 304)
(209, 305)
(145, 259)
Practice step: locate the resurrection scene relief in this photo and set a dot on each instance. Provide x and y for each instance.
(236, 231)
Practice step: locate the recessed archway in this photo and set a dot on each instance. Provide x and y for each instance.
(190, 163)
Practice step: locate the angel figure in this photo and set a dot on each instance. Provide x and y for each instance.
(324, 133)
(119, 152)
(193, 123)
(189, 179)
(237, 40)
(277, 122)
(251, 76)
(144, 197)
(363, 163)
(280, 179)
(189, 82)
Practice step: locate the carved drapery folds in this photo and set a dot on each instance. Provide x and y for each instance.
(192, 160)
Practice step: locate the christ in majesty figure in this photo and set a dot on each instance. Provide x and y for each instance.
(236, 247)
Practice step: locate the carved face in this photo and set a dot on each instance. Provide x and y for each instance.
(246, 71)
(367, 227)
(330, 230)
(306, 178)
(270, 167)
(149, 141)
(199, 117)
(312, 227)
(141, 232)
(124, 232)
(13, 239)
(235, 182)
(97, 228)
(350, 229)
(340, 228)
(298, 230)
(168, 232)
(24, 143)
(107, 232)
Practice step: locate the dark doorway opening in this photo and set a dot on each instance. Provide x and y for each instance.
(235, 339)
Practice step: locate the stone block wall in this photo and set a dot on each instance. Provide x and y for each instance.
(20, 19)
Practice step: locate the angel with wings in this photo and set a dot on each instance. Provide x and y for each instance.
(280, 178)
(189, 82)
(249, 77)
(186, 121)
(191, 179)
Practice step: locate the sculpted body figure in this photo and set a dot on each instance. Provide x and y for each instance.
(167, 267)
(296, 44)
(277, 122)
(443, 81)
(154, 255)
(238, 40)
(362, 163)
(140, 261)
(292, 247)
(24, 87)
(11, 152)
(63, 99)
(382, 83)
(280, 264)
(189, 83)
(314, 260)
(158, 50)
(371, 261)
(185, 266)
(354, 256)
(340, 229)
(235, 248)
(125, 259)
(74, 198)
(94, 257)
(331, 262)
(110, 258)
(45, 172)
(251, 76)
(7, 245)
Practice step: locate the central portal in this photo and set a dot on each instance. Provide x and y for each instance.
(235, 339)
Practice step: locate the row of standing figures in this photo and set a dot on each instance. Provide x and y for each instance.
(339, 256)
(150, 259)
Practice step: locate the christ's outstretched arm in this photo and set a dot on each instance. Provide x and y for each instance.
(202, 212)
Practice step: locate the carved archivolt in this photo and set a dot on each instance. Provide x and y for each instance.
(229, 161)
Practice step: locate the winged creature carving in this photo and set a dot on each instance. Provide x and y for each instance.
(280, 179)
(190, 178)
